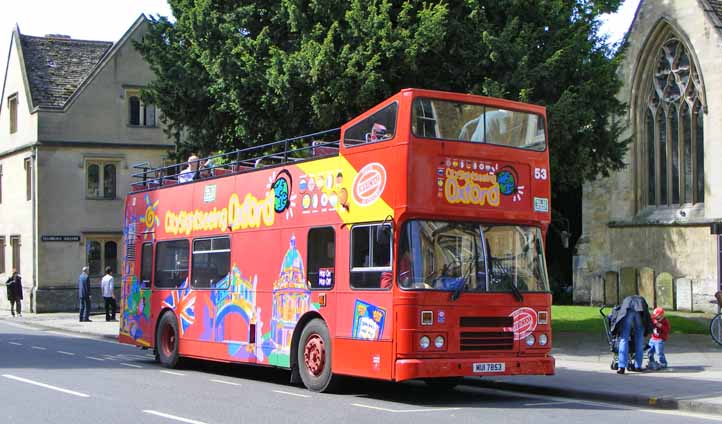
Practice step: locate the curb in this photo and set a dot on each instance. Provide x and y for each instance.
(631, 400)
(62, 329)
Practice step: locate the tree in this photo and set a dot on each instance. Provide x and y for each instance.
(234, 74)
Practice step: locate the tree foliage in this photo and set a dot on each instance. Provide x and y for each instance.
(234, 74)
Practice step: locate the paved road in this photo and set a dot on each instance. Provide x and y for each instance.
(52, 377)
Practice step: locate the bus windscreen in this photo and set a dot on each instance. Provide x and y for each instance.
(448, 120)
(470, 257)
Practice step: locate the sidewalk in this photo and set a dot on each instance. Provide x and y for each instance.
(693, 381)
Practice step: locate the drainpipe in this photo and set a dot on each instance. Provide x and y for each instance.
(716, 230)
(34, 182)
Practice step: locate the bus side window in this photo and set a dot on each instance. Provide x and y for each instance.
(171, 264)
(211, 263)
(146, 265)
(321, 261)
(371, 256)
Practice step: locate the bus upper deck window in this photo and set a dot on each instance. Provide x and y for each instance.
(380, 126)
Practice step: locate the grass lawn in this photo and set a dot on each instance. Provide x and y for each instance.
(586, 319)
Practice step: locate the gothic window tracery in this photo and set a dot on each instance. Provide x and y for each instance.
(673, 129)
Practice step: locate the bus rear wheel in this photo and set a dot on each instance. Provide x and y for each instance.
(166, 341)
(314, 357)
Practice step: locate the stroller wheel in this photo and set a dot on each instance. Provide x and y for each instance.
(615, 365)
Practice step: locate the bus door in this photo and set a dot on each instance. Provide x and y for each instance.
(137, 308)
(171, 285)
(365, 315)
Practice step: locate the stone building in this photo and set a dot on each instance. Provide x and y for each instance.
(72, 124)
(651, 221)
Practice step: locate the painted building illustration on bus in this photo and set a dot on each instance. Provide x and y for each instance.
(291, 299)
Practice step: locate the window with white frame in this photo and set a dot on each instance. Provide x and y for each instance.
(28, 165)
(101, 179)
(13, 112)
(672, 130)
(2, 255)
(139, 114)
(15, 248)
(101, 253)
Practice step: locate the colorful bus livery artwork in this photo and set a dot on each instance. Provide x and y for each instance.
(406, 244)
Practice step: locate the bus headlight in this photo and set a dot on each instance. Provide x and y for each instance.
(439, 342)
(424, 342)
(543, 340)
(530, 340)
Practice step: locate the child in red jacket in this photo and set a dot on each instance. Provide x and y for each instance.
(660, 333)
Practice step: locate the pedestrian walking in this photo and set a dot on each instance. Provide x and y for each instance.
(84, 295)
(632, 323)
(106, 285)
(15, 293)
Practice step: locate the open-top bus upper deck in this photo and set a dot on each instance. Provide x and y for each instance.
(419, 152)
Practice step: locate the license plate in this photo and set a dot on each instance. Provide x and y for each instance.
(489, 367)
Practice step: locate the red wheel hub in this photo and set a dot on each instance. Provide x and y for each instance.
(168, 340)
(314, 355)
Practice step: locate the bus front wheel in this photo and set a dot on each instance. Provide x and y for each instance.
(166, 341)
(314, 356)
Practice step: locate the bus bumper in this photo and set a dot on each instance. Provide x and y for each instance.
(408, 369)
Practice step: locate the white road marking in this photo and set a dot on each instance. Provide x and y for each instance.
(15, 343)
(62, 352)
(110, 357)
(225, 382)
(290, 394)
(40, 348)
(172, 373)
(172, 417)
(95, 359)
(130, 365)
(547, 403)
(378, 408)
(47, 386)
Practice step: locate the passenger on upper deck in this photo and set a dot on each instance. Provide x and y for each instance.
(378, 133)
(191, 172)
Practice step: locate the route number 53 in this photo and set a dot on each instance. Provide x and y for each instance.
(540, 173)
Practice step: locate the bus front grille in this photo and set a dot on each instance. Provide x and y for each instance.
(486, 321)
(486, 340)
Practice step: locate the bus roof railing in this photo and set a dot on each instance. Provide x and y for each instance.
(289, 150)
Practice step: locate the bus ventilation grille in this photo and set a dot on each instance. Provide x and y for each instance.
(486, 340)
(486, 322)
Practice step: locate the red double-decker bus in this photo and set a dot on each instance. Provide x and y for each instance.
(408, 244)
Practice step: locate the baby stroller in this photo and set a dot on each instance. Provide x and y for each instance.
(613, 339)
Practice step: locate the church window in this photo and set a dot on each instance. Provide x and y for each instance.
(672, 123)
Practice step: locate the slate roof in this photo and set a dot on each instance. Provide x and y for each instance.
(714, 9)
(716, 6)
(56, 67)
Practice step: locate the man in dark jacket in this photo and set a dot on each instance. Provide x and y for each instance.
(631, 318)
(84, 295)
(15, 292)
